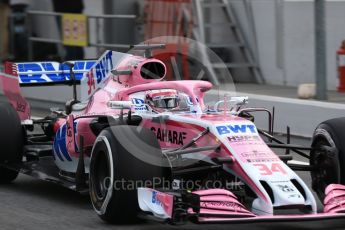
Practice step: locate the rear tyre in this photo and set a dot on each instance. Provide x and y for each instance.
(114, 169)
(11, 142)
(328, 156)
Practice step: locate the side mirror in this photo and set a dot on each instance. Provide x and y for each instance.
(239, 100)
(234, 101)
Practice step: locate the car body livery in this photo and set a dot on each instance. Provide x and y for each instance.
(230, 163)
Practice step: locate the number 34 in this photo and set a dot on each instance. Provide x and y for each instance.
(266, 170)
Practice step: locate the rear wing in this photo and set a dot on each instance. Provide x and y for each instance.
(90, 73)
(36, 74)
(47, 73)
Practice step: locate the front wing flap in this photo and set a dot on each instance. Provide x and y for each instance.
(217, 206)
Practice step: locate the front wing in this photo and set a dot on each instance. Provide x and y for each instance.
(222, 206)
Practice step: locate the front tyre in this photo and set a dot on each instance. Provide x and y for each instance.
(327, 156)
(115, 173)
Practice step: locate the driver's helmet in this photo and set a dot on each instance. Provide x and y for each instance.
(162, 100)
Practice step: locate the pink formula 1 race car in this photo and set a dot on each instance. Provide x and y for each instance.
(141, 146)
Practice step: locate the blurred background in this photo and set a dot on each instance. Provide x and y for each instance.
(270, 46)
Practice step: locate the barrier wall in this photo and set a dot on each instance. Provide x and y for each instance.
(285, 37)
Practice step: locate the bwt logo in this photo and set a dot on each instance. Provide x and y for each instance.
(104, 66)
(236, 129)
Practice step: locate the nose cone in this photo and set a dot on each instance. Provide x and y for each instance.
(285, 193)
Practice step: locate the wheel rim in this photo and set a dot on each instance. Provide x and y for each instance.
(101, 175)
(327, 165)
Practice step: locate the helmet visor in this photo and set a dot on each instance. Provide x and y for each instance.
(166, 103)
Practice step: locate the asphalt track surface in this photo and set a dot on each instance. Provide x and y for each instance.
(32, 204)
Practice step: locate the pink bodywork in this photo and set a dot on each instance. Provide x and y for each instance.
(98, 102)
(282, 218)
(192, 130)
(195, 89)
(334, 201)
(11, 89)
(218, 205)
(221, 203)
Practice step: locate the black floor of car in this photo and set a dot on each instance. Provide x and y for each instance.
(43, 169)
